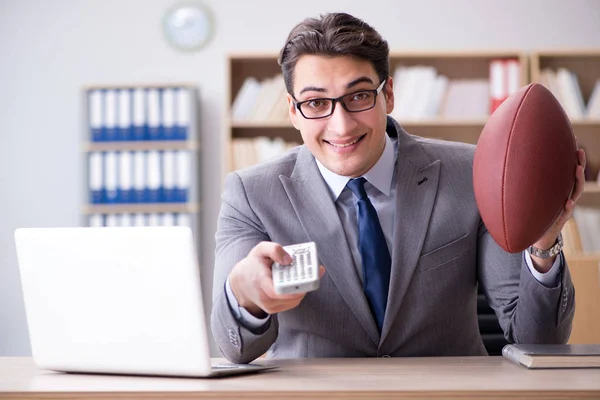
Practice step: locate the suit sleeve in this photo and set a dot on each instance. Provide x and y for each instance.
(527, 310)
(238, 231)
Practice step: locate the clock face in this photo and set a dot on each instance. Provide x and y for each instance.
(188, 26)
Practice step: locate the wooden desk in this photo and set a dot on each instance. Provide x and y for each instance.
(384, 378)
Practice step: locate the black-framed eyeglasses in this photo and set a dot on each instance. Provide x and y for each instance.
(354, 102)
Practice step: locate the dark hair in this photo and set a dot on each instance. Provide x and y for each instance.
(334, 34)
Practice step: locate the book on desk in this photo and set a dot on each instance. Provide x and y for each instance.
(553, 355)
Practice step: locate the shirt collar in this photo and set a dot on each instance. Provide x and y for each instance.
(380, 175)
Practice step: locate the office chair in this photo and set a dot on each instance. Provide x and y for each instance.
(489, 328)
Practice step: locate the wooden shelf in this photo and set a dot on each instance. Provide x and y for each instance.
(141, 85)
(431, 123)
(141, 145)
(591, 188)
(141, 208)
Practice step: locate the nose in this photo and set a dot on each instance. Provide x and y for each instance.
(341, 122)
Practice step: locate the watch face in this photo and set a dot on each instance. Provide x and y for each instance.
(188, 26)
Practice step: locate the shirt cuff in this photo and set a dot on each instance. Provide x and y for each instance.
(550, 278)
(241, 314)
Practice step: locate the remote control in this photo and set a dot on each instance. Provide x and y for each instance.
(302, 275)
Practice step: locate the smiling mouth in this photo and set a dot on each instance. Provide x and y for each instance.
(347, 144)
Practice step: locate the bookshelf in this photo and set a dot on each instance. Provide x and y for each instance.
(585, 66)
(167, 129)
(461, 65)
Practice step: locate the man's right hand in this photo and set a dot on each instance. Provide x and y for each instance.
(252, 284)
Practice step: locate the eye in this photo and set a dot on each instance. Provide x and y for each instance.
(359, 96)
(317, 103)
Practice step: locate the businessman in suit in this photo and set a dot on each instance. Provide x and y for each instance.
(401, 242)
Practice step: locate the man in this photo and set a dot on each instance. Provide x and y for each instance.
(394, 219)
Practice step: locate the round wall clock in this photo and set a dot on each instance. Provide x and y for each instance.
(188, 26)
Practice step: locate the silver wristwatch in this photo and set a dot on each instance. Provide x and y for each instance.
(551, 252)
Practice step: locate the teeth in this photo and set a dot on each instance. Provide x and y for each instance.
(344, 145)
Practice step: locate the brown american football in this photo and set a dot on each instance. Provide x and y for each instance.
(524, 167)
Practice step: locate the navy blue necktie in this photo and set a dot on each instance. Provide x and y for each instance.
(376, 261)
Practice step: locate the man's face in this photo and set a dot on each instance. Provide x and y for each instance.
(346, 143)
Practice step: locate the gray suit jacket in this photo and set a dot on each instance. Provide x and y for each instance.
(442, 250)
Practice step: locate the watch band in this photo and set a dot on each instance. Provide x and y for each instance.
(549, 253)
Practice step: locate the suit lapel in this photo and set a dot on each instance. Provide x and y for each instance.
(311, 199)
(416, 188)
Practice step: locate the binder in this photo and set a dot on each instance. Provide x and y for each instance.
(140, 124)
(154, 183)
(183, 114)
(111, 176)
(112, 220)
(139, 177)
(96, 184)
(153, 103)
(498, 84)
(124, 116)
(110, 115)
(168, 219)
(154, 219)
(125, 189)
(126, 220)
(96, 115)
(139, 219)
(96, 220)
(168, 176)
(183, 219)
(168, 114)
(183, 180)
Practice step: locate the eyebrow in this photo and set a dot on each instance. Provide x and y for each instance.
(350, 85)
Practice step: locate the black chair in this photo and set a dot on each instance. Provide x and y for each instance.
(489, 328)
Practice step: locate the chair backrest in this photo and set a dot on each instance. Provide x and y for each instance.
(489, 328)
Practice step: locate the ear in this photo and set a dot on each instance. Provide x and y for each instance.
(292, 110)
(389, 95)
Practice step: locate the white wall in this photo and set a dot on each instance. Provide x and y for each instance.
(50, 49)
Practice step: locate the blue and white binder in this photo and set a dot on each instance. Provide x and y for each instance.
(96, 115)
(154, 123)
(140, 124)
(154, 219)
(111, 177)
(126, 220)
(139, 177)
(110, 115)
(124, 117)
(96, 182)
(125, 191)
(96, 221)
(139, 219)
(183, 173)
(168, 114)
(168, 219)
(112, 220)
(154, 177)
(168, 176)
(183, 114)
(183, 219)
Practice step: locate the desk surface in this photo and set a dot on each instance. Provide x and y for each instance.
(384, 378)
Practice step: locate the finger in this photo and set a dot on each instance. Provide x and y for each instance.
(582, 158)
(272, 251)
(269, 290)
(321, 271)
(579, 184)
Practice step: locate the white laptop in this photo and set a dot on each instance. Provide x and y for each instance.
(116, 301)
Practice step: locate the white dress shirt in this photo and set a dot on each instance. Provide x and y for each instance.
(381, 189)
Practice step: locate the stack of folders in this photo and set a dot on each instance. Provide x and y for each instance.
(132, 114)
(125, 177)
